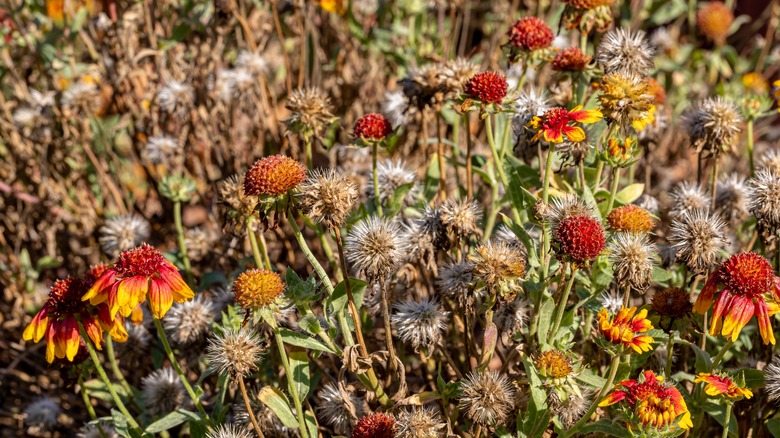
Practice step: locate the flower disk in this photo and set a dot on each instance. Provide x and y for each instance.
(571, 59)
(273, 176)
(581, 238)
(373, 127)
(654, 404)
(672, 302)
(588, 4)
(530, 33)
(377, 425)
(257, 288)
(631, 218)
(555, 364)
(488, 87)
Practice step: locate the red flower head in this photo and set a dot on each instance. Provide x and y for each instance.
(751, 288)
(654, 404)
(626, 329)
(373, 127)
(530, 33)
(139, 271)
(571, 59)
(716, 385)
(555, 124)
(273, 176)
(377, 425)
(58, 321)
(581, 238)
(487, 87)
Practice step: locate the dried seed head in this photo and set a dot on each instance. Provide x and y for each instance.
(376, 425)
(82, 95)
(506, 235)
(672, 302)
(176, 98)
(137, 343)
(425, 85)
(231, 192)
(580, 237)
(764, 197)
(570, 410)
(374, 248)
(42, 413)
(686, 198)
(457, 72)
(631, 218)
(611, 301)
(397, 108)
(565, 207)
(333, 410)
(713, 125)
(772, 380)
(511, 317)
(530, 33)
(99, 430)
(419, 422)
(229, 431)
(731, 198)
(626, 52)
(420, 323)
(455, 281)
(372, 127)
(770, 161)
(495, 264)
(235, 352)
(327, 196)
(632, 257)
(588, 4)
(425, 237)
(161, 149)
(487, 87)
(163, 392)
(648, 203)
(200, 242)
(273, 176)
(311, 111)
(123, 232)
(461, 217)
(571, 59)
(252, 62)
(392, 175)
(189, 322)
(574, 150)
(626, 99)
(487, 397)
(234, 83)
(697, 238)
(257, 288)
(714, 21)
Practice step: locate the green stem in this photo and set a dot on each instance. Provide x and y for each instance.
(499, 163)
(561, 308)
(85, 397)
(259, 251)
(669, 355)
(547, 175)
(182, 245)
(613, 189)
(177, 368)
(291, 385)
(721, 353)
(600, 164)
(607, 385)
(308, 151)
(727, 421)
(750, 146)
(114, 366)
(377, 200)
(104, 377)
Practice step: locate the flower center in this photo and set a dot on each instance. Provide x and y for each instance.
(747, 274)
(65, 297)
(143, 260)
(556, 119)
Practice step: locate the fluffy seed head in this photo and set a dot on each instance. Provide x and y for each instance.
(714, 21)
(455, 281)
(419, 422)
(200, 242)
(311, 111)
(396, 107)
(273, 176)
(731, 198)
(99, 430)
(373, 127)
(571, 59)
(554, 364)
(374, 248)
(611, 301)
(511, 317)
(252, 62)
(580, 237)
(764, 197)
(229, 431)
(648, 203)
(631, 255)
(687, 198)
(190, 321)
(713, 125)
(631, 218)
(176, 98)
(495, 263)
(457, 72)
(328, 196)
(420, 323)
(770, 161)
(163, 391)
(82, 95)
(571, 409)
(161, 149)
(123, 232)
(487, 87)
(565, 207)
(697, 238)
(42, 413)
(376, 425)
(257, 288)
(332, 409)
(530, 33)
(487, 397)
(672, 302)
(235, 352)
(772, 380)
(626, 52)
(461, 217)
(392, 175)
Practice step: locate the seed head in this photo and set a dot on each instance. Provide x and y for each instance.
(123, 232)
(461, 217)
(425, 85)
(42, 413)
(772, 380)
(252, 62)
(455, 281)
(487, 87)
(714, 21)
(530, 33)
(137, 343)
(257, 288)
(565, 207)
(273, 176)
(648, 203)
(632, 219)
(327, 196)
(571, 59)
(163, 391)
(457, 72)
(713, 125)
(496, 263)
(311, 111)
(420, 323)
(574, 150)
(373, 127)
(588, 4)
(332, 409)
(200, 242)
(190, 322)
(176, 98)
(511, 317)
(419, 422)
(611, 301)
(229, 431)
(626, 99)
(234, 83)
(396, 107)
(376, 425)
(764, 197)
(374, 248)
(487, 397)
(625, 52)
(672, 302)
(571, 409)
(686, 198)
(83, 96)
(632, 257)
(731, 198)
(99, 430)
(392, 175)
(161, 149)
(697, 238)
(580, 237)
(235, 352)
(770, 161)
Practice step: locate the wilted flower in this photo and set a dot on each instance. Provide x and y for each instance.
(374, 248)
(42, 413)
(376, 425)
(764, 197)
(457, 72)
(123, 232)
(571, 59)
(571, 408)
(653, 403)
(751, 288)
(424, 237)
(626, 329)
(715, 385)
(161, 149)
(731, 198)
(273, 176)
(461, 217)
(231, 193)
(626, 100)
(580, 237)
(392, 175)
(697, 239)
(176, 98)
(420, 323)
(419, 422)
(625, 52)
(311, 112)
(530, 33)
(332, 409)
(714, 21)
(487, 397)
(235, 352)
(200, 242)
(631, 219)
(82, 95)
(497, 266)
(190, 321)
(163, 391)
(425, 85)
(556, 124)
(632, 257)
(327, 196)
(372, 127)
(511, 317)
(713, 125)
(257, 288)
(686, 198)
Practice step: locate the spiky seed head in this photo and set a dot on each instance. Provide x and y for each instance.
(713, 125)
(495, 263)
(770, 161)
(161, 149)
(487, 397)
(189, 322)
(511, 317)
(633, 258)
(273, 176)
(457, 72)
(397, 107)
(42, 413)
(373, 127)
(631, 218)
(333, 411)
(574, 150)
(530, 33)
(487, 87)
(688, 197)
(626, 52)
(163, 391)
(611, 301)
(229, 430)
(508, 236)
(571, 59)
(311, 111)
(176, 98)
(764, 197)
(374, 248)
(714, 21)
(419, 422)
(731, 198)
(123, 232)
(455, 281)
(376, 425)
(565, 207)
(673, 302)
(254, 63)
(257, 288)
(137, 343)
(200, 242)
(570, 409)
(391, 175)
(425, 85)
(461, 216)
(234, 351)
(327, 196)
(697, 239)
(420, 323)
(772, 380)
(98, 430)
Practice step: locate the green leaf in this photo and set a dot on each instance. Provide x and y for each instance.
(310, 323)
(120, 423)
(752, 377)
(338, 299)
(588, 377)
(773, 425)
(607, 427)
(311, 424)
(172, 420)
(537, 416)
(301, 374)
(300, 340)
(99, 390)
(703, 362)
(545, 318)
(396, 201)
(277, 402)
(630, 193)
(661, 275)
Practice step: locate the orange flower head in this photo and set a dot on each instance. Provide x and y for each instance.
(672, 302)
(714, 21)
(655, 404)
(273, 176)
(658, 90)
(557, 123)
(530, 33)
(376, 425)
(571, 59)
(257, 288)
(716, 385)
(373, 127)
(755, 82)
(631, 218)
(554, 364)
(487, 87)
(581, 238)
(137, 272)
(626, 328)
(750, 289)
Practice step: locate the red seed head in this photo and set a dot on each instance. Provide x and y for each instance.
(488, 87)
(273, 176)
(747, 274)
(373, 127)
(530, 33)
(570, 59)
(144, 260)
(581, 237)
(377, 425)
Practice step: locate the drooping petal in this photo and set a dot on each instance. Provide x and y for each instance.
(553, 136)
(160, 298)
(738, 317)
(181, 291)
(764, 323)
(704, 300)
(585, 116)
(94, 331)
(106, 280)
(574, 133)
(37, 327)
(612, 398)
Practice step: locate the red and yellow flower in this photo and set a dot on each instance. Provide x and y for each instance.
(557, 123)
(751, 289)
(139, 272)
(716, 385)
(58, 321)
(654, 404)
(626, 328)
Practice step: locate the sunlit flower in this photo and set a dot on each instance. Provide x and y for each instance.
(273, 176)
(654, 404)
(311, 111)
(487, 87)
(632, 258)
(557, 123)
(715, 385)
(755, 82)
(626, 329)
(631, 218)
(588, 4)
(137, 272)
(496, 265)
(234, 351)
(257, 288)
(750, 288)
(554, 365)
(376, 425)
(714, 21)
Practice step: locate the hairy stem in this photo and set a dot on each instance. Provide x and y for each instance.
(291, 384)
(561, 308)
(249, 409)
